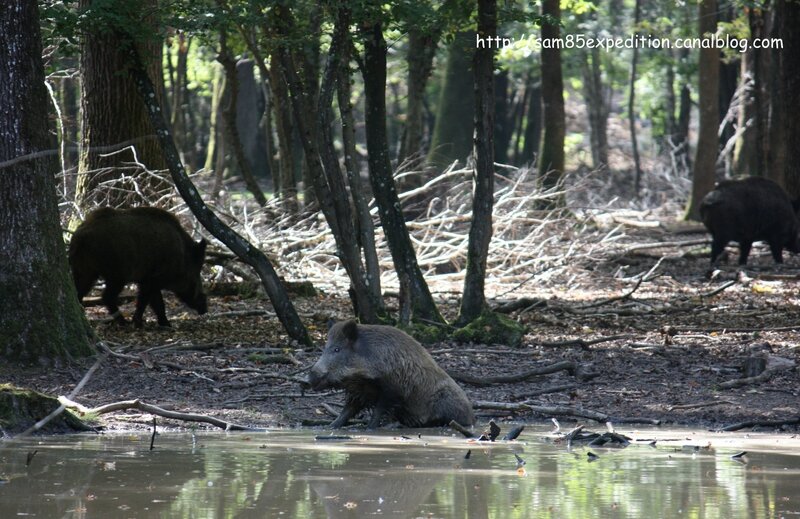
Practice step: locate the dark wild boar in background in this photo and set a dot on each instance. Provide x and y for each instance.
(383, 368)
(749, 210)
(144, 245)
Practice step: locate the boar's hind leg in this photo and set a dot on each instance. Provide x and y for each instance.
(744, 252)
(776, 249)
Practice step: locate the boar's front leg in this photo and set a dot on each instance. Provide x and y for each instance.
(149, 295)
(350, 410)
(110, 293)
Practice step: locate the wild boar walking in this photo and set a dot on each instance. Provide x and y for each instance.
(144, 245)
(750, 210)
(383, 368)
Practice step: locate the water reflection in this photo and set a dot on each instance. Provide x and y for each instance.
(288, 474)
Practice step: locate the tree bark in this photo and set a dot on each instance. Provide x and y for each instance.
(422, 47)
(113, 115)
(637, 167)
(416, 301)
(473, 302)
(238, 245)
(551, 158)
(229, 114)
(790, 77)
(41, 320)
(597, 107)
(705, 161)
(533, 122)
(452, 135)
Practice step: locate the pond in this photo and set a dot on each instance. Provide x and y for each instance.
(419, 473)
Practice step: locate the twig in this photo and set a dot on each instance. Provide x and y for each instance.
(699, 405)
(153, 437)
(460, 428)
(719, 288)
(583, 343)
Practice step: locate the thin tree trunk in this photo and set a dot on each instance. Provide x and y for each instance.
(533, 123)
(504, 117)
(214, 130)
(366, 229)
(229, 114)
(473, 302)
(744, 163)
(707, 142)
(242, 248)
(596, 106)
(421, 50)
(415, 298)
(41, 320)
(551, 158)
(637, 183)
(776, 152)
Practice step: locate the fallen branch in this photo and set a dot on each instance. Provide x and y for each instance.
(460, 428)
(583, 343)
(155, 410)
(699, 405)
(566, 365)
(760, 423)
(526, 303)
(545, 391)
(719, 289)
(545, 410)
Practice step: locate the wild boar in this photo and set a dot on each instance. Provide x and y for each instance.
(750, 210)
(383, 368)
(143, 245)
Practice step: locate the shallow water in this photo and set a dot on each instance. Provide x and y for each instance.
(290, 474)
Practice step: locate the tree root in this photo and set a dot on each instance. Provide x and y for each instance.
(566, 365)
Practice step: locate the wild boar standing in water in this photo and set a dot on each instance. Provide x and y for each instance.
(143, 245)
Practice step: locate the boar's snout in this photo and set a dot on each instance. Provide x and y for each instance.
(317, 378)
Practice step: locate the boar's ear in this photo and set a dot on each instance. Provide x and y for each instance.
(350, 330)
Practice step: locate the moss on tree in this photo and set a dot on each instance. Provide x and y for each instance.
(491, 328)
(21, 408)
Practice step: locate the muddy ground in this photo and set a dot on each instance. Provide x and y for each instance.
(660, 349)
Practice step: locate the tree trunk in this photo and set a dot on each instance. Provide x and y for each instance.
(533, 122)
(473, 302)
(744, 157)
(284, 129)
(705, 161)
(452, 136)
(421, 50)
(323, 166)
(242, 248)
(229, 113)
(214, 129)
(503, 117)
(790, 77)
(249, 111)
(597, 107)
(366, 229)
(551, 158)
(416, 301)
(41, 320)
(776, 151)
(113, 118)
(637, 167)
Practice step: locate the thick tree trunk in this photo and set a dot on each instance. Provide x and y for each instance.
(504, 117)
(229, 113)
(790, 78)
(238, 245)
(776, 151)
(249, 111)
(452, 136)
(744, 157)
(114, 116)
(551, 158)
(41, 320)
(705, 161)
(416, 301)
(473, 302)
(421, 50)
(284, 129)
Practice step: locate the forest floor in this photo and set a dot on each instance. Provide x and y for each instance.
(653, 337)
